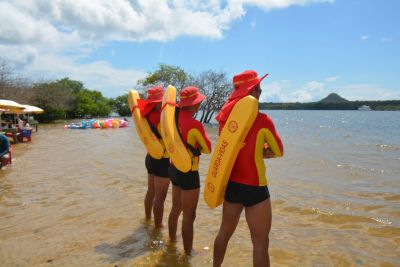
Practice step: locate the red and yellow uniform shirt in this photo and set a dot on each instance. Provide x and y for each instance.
(154, 118)
(194, 134)
(249, 167)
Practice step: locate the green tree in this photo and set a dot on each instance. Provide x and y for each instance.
(56, 99)
(120, 105)
(166, 75)
(67, 98)
(211, 83)
(12, 87)
(91, 103)
(75, 86)
(216, 87)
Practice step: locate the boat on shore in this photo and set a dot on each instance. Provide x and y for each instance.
(364, 108)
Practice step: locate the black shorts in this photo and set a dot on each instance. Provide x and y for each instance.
(185, 180)
(157, 167)
(248, 195)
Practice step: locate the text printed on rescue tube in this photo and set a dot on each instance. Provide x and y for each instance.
(221, 153)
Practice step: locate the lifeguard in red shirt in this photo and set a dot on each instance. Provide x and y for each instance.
(247, 187)
(157, 169)
(186, 186)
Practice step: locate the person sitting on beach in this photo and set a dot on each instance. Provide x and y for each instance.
(247, 187)
(26, 124)
(186, 186)
(21, 123)
(157, 169)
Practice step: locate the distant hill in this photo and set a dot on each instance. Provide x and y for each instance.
(333, 98)
(334, 102)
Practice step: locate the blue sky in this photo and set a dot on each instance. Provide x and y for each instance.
(310, 47)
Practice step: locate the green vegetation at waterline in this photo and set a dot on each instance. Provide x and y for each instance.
(334, 102)
(68, 99)
(60, 99)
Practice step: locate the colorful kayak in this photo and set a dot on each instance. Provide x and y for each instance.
(104, 124)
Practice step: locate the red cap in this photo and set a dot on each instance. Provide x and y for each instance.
(154, 95)
(244, 83)
(190, 96)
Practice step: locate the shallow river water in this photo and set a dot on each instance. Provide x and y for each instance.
(75, 198)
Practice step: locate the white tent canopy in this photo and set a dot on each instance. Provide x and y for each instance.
(32, 109)
(10, 105)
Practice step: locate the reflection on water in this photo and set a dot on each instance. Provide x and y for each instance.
(144, 239)
(75, 198)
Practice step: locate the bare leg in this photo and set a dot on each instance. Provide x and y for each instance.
(148, 200)
(259, 218)
(161, 185)
(230, 218)
(175, 212)
(189, 200)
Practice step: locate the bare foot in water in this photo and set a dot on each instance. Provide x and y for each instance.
(191, 253)
(161, 226)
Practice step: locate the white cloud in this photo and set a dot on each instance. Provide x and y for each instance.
(312, 91)
(367, 92)
(38, 34)
(284, 91)
(272, 4)
(39, 21)
(332, 79)
(274, 91)
(365, 37)
(99, 75)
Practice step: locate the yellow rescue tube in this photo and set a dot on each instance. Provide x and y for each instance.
(177, 151)
(228, 146)
(150, 141)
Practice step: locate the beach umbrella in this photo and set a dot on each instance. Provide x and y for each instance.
(32, 109)
(11, 106)
(1, 112)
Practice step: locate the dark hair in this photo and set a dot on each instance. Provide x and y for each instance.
(256, 87)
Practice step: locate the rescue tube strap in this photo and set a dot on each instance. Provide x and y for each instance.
(195, 151)
(153, 129)
(168, 103)
(133, 108)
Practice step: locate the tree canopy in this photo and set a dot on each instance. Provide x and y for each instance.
(61, 99)
(121, 105)
(212, 84)
(166, 75)
(216, 87)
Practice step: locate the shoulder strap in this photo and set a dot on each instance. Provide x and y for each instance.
(153, 129)
(195, 151)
